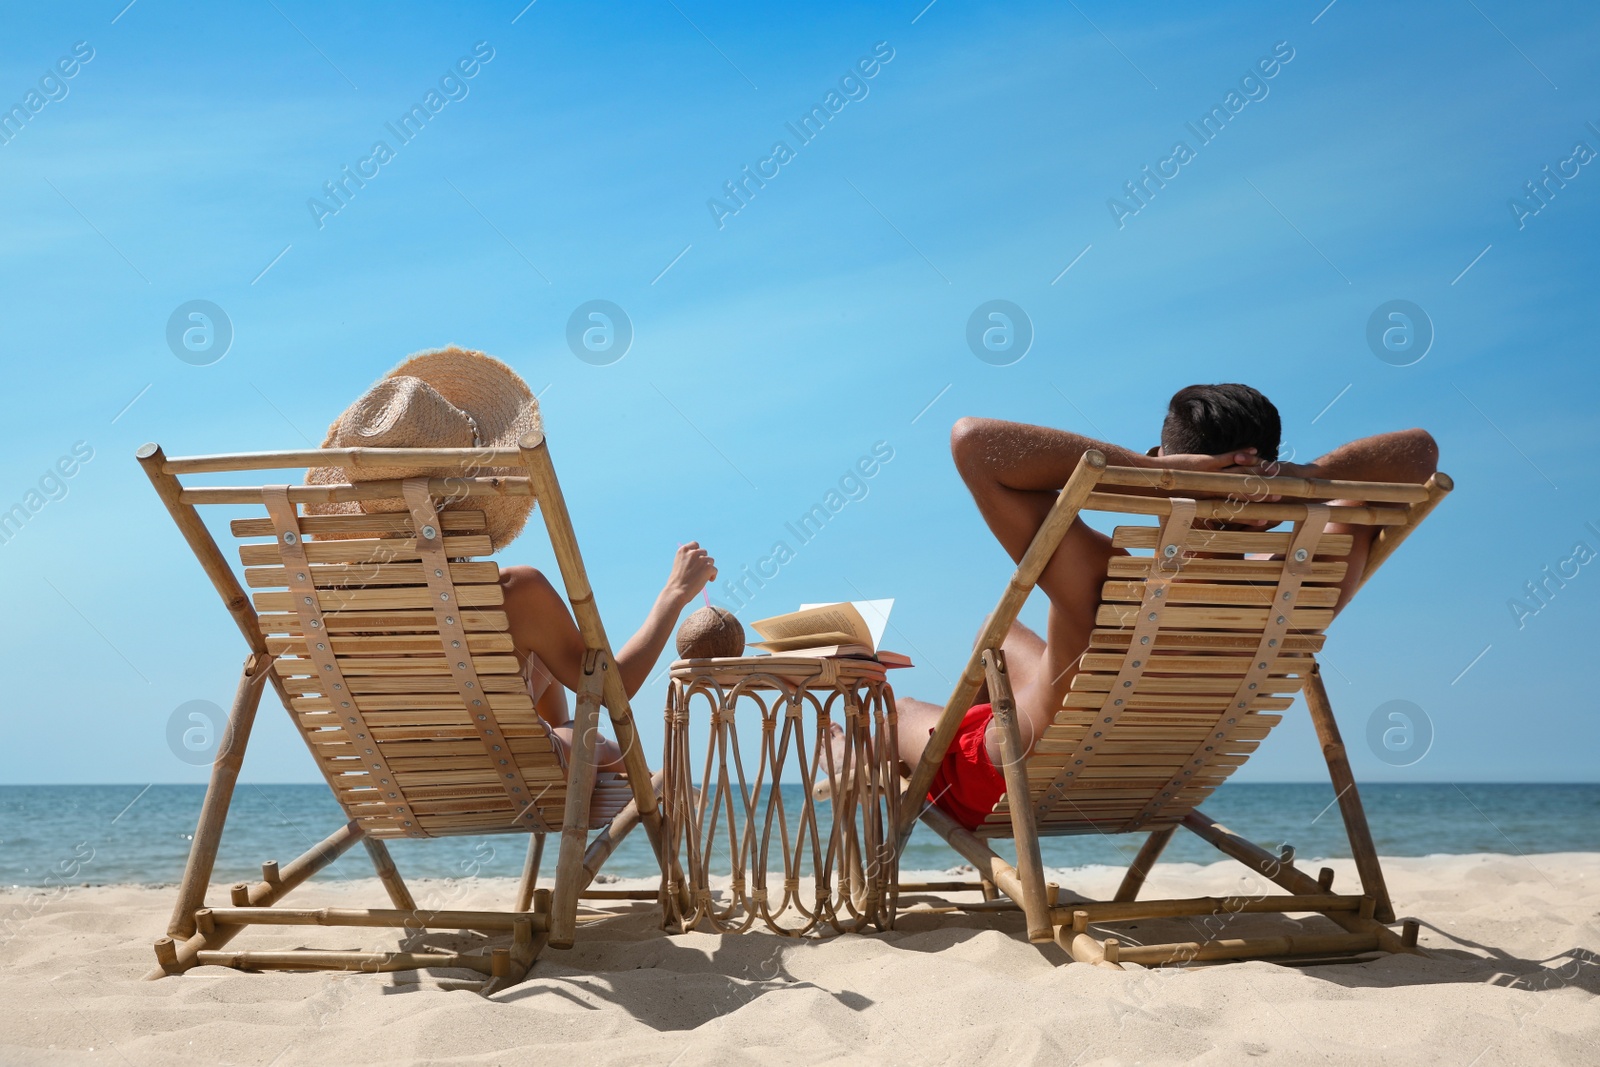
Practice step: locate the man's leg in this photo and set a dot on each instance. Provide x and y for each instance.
(1015, 473)
(1026, 663)
(916, 719)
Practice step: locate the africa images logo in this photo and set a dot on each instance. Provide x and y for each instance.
(453, 87)
(52, 88)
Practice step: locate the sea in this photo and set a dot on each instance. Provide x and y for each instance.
(120, 834)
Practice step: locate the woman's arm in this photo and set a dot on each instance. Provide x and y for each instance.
(542, 627)
(692, 569)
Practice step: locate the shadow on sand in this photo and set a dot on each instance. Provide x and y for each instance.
(696, 978)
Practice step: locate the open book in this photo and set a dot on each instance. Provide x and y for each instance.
(851, 628)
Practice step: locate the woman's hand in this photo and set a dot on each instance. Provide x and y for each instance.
(692, 569)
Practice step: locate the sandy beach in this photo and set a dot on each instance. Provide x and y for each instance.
(1512, 979)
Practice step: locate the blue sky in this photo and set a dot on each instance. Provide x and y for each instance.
(827, 315)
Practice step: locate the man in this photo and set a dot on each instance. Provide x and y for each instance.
(1014, 472)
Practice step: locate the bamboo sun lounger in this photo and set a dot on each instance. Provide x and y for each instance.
(383, 637)
(1202, 638)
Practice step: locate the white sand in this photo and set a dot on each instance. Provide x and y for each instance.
(1506, 985)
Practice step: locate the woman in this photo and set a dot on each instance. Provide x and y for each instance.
(455, 398)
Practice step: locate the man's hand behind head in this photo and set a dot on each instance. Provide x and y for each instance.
(1225, 462)
(1281, 469)
(1240, 461)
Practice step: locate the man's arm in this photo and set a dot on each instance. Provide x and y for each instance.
(1403, 456)
(1014, 472)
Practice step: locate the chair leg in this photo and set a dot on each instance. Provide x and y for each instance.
(219, 795)
(580, 786)
(1139, 869)
(530, 872)
(512, 965)
(1355, 816)
(1288, 877)
(992, 867)
(606, 841)
(1014, 755)
(176, 955)
(564, 543)
(389, 874)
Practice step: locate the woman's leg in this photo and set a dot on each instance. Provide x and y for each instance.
(542, 630)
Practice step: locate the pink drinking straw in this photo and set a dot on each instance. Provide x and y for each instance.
(703, 594)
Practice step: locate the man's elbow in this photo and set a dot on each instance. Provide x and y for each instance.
(1427, 446)
(966, 429)
(967, 446)
(1424, 453)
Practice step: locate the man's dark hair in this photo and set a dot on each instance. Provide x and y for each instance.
(1212, 419)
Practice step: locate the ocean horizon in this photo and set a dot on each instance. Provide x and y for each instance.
(130, 834)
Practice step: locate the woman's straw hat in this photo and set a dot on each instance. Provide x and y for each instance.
(449, 398)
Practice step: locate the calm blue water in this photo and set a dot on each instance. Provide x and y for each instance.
(112, 834)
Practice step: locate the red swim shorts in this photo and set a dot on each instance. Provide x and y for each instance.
(967, 785)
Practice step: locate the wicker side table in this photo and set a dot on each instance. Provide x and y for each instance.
(773, 842)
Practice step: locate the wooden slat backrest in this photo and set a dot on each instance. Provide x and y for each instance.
(372, 584)
(415, 763)
(1196, 649)
(383, 638)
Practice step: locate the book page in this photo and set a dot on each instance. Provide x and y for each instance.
(875, 613)
(820, 624)
(855, 623)
(794, 647)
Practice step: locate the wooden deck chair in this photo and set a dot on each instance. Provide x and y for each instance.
(383, 637)
(1196, 650)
